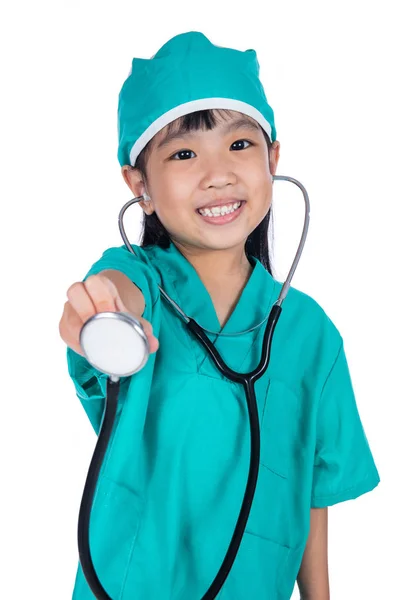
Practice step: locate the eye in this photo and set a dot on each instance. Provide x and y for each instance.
(240, 142)
(184, 154)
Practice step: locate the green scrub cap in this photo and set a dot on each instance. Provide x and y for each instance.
(187, 74)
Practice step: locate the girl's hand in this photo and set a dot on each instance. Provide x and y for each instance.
(85, 299)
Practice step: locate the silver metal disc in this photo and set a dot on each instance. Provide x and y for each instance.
(114, 343)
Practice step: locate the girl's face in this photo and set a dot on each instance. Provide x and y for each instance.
(229, 163)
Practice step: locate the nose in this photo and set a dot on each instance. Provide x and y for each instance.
(218, 173)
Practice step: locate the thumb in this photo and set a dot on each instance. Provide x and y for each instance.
(148, 330)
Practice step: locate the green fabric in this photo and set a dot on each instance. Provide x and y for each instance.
(187, 69)
(171, 487)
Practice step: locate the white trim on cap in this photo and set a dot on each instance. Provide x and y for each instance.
(192, 106)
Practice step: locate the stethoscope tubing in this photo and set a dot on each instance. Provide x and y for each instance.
(85, 510)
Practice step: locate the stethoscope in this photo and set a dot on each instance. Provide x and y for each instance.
(115, 343)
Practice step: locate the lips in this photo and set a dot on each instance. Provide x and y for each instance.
(224, 202)
(223, 219)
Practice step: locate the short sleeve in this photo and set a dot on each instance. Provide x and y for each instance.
(90, 383)
(344, 467)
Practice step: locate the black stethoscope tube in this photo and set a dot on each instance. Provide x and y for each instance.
(90, 486)
(247, 380)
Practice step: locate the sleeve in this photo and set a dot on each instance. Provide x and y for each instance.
(344, 467)
(90, 383)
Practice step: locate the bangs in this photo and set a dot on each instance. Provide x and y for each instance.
(200, 120)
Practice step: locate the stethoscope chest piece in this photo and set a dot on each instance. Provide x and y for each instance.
(114, 343)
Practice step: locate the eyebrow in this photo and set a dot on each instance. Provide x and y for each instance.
(228, 128)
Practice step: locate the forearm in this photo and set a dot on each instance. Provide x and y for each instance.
(313, 576)
(314, 587)
(315, 595)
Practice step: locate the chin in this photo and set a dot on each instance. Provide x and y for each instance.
(225, 242)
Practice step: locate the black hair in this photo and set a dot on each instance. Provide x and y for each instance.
(154, 232)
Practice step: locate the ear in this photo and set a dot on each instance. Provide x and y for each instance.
(147, 206)
(274, 157)
(133, 177)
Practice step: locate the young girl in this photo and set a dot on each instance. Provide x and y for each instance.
(196, 133)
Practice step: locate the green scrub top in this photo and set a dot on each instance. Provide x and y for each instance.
(173, 480)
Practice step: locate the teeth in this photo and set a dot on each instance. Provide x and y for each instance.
(217, 211)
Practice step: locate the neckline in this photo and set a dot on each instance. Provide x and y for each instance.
(194, 299)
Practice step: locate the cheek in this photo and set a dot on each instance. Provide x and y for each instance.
(259, 184)
(168, 192)
(172, 194)
(255, 171)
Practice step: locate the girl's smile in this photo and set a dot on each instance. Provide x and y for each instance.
(222, 216)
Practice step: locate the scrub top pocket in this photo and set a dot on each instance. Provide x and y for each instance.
(272, 515)
(279, 429)
(257, 571)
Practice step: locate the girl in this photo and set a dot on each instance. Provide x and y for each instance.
(196, 133)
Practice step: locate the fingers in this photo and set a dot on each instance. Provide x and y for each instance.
(69, 327)
(96, 294)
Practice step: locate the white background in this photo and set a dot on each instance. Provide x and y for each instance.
(331, 74)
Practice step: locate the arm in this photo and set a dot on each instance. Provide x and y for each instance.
(313, 578)
(130, 294)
